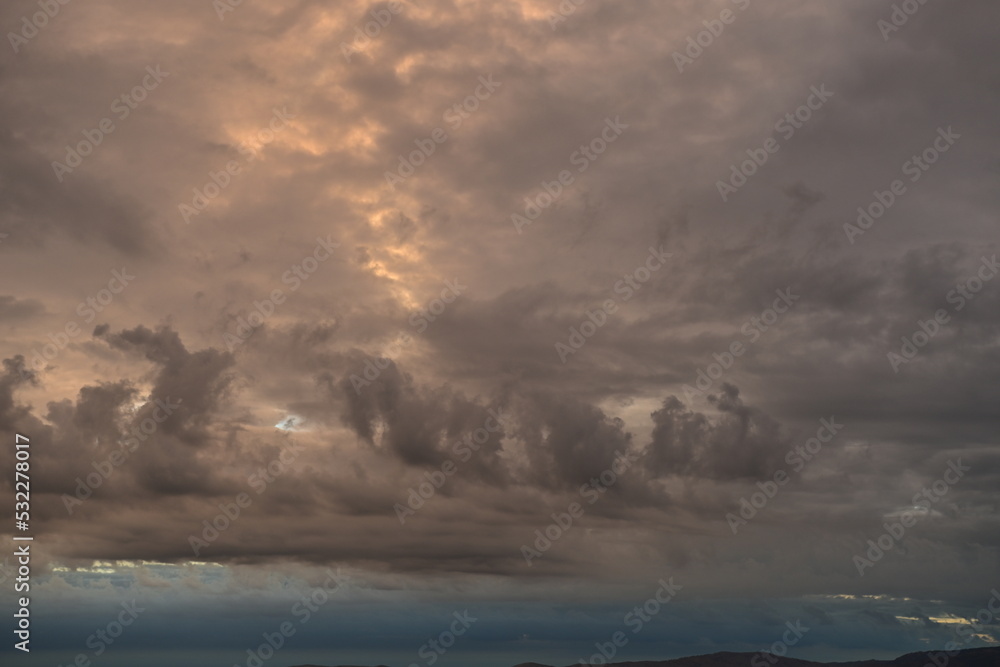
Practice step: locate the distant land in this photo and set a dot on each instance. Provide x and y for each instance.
(977, 657)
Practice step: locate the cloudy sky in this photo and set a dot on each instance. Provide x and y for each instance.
(404, 283)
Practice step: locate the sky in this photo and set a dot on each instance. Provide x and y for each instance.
(499, 328)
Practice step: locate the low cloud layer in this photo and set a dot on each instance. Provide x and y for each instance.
(471, 263)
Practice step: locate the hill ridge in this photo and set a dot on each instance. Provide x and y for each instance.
(974, 657)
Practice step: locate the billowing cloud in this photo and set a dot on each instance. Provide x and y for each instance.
(416, 292)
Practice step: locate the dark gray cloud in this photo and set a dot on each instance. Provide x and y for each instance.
(311, 304)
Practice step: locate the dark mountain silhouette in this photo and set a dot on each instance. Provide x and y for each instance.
(977, 657)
